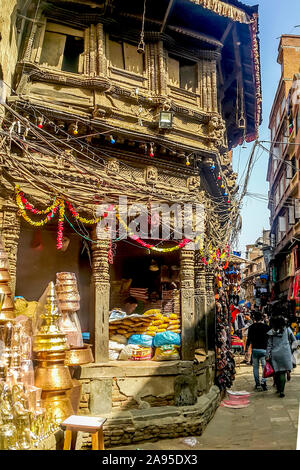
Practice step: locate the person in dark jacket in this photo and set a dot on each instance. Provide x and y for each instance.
(279, 351)
(258, 339)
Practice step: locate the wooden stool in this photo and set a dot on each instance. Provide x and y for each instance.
(90, 424)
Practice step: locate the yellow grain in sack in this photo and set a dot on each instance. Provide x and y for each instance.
(173, 316)
(152, 311)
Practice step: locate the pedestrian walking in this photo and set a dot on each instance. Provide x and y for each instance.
(248, 323)
(258, 339)
(279, 352)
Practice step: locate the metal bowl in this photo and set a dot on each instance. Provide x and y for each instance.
(78, 356)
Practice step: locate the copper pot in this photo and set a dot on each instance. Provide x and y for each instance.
(69, 306)
(62, 288)
(68, 297)
(66, 276)
(78, 356)
(66, 282)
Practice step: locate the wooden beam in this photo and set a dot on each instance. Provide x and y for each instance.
(167, 14)
(226, 32)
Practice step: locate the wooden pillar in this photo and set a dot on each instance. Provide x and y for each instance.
(187, 304)
(101, 55)
(10, 224)
(210, 307)
(200, 304)
(101, 293)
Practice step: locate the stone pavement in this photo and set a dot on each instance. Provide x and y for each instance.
(269, 423)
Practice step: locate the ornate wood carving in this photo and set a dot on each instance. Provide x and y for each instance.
(187, 304)
(10, 232)
(101, 291)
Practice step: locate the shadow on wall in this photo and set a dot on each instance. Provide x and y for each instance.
(38, 261)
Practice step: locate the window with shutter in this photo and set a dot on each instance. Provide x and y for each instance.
(297, 209)
(124, 56)
(62, 48)
(173, 70)
(291, 214)
(183, 73)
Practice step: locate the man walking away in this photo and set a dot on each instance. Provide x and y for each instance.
(258, 339)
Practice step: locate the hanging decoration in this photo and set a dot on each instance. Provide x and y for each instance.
(59, 204)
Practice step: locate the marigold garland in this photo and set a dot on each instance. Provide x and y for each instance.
(60, 203)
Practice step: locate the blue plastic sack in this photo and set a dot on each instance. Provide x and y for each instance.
(141, 340)
(167, 337)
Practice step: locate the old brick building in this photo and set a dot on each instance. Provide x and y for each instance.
(283, 172)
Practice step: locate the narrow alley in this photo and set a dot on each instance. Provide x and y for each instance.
(268, 423)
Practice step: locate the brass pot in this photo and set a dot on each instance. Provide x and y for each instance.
(4, 264)
(51, 374)
(8, 437)
(66, 276)
(49, 342)
(5, 289)
(58, 405)
(78, 356)
(8, 303)
(7, 315)
(4, 275)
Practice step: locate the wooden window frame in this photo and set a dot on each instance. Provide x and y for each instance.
(123, 71)
(51, 27)
(183, 91)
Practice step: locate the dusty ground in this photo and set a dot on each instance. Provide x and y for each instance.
(269, 423)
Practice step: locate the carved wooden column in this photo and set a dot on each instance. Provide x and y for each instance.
(187, 270)
(200, 305)
(10, 224)
(214, 86)
(101, 56)
(101, 291)
(210, 306)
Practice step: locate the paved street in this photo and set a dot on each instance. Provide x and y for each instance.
(269, 423)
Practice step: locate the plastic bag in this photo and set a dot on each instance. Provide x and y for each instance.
(113, 355)
(142, 354)
(190, 441)
(167, 338)
(119, 339)
(268, 370)
(141, 340)
(132, 352)
(117, 314)
(115, 346)
(166, 353)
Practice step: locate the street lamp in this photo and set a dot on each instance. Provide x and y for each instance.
(165, 119)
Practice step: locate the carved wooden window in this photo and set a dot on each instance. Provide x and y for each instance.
(62, 48)
(123, 55)
(183, 73)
